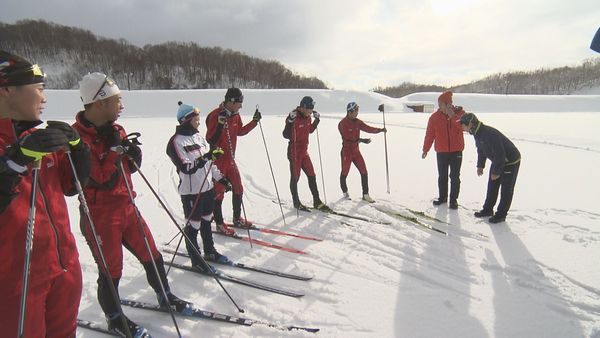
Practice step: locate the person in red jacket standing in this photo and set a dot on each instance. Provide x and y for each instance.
(350, 128)
(224, 125)
(113, 160)
(445, 130)
(54, 288)
(298, 127)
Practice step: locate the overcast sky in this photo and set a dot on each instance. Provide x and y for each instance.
(351, 44)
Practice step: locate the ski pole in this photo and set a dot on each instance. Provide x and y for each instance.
(184, 235)
(29, 245)
(271, 167)
(240, 176)
(187, 221)
(176, 250)
(387, 168)
(146, 243)
(84, 206)
(293, 167)
(321, 165)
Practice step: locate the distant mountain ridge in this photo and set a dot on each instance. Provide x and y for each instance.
(557, 81)
(67, 53)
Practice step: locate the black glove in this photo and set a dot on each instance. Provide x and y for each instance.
(111, 135)
(316, 115)
(71, 134)
(226, 184)
(213, 154)
(257, 116)
(364, 140)
(222, 117)
(383, 130)
(36, 145)
(131, 149)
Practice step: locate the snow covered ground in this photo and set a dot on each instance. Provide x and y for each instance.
(536, 275)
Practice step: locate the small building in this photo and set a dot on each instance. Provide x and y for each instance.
(421, 107)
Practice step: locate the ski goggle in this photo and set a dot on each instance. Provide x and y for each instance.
(192, 113)
(25, 76)
(107, 81)
(239, 99)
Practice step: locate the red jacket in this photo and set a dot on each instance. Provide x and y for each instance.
(298, 132)
(219, 136)
(106, 185)
(446, 132)
(54, 248)
(350, 130)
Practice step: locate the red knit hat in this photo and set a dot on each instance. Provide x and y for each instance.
(445, 98)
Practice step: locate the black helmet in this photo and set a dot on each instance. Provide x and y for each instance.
(470, 118)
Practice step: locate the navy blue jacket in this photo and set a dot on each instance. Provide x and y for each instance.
(493, 145)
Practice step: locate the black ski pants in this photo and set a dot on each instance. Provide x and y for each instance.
(506, 185)
(452, 161)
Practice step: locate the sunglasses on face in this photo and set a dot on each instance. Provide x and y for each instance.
(107, 81)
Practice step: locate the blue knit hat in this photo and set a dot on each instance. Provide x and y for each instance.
(307, 102)
(186, 112)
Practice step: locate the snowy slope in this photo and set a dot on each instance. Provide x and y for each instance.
(534, 276)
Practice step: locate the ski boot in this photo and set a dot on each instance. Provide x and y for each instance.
(242, 223)
(322, 206)
(368, 198)
(225, 230)
(217, 258)
(301, 207)
(177, 304)
(347, 196)
(115, 325)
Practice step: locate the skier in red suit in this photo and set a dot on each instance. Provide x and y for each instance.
(224, 125)
(350, 128)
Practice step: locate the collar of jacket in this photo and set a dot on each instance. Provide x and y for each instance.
(185, 129)
(475, 130)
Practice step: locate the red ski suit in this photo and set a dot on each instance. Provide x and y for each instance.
(350, 131)
(110, 205)
(55, 274)
(445, 131)
(225, 137)
(298, 133)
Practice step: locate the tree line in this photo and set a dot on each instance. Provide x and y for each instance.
(67, 53)
(556, 81)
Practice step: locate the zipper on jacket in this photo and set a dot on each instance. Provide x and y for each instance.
(448, 132)
(53, 229)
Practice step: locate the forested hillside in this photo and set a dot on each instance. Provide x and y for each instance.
(66, 53)
(563, 80)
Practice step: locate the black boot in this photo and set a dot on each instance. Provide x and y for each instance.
(115, 325)
(483, 213)
(439, 201)
(177, 304)
(296, 200)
